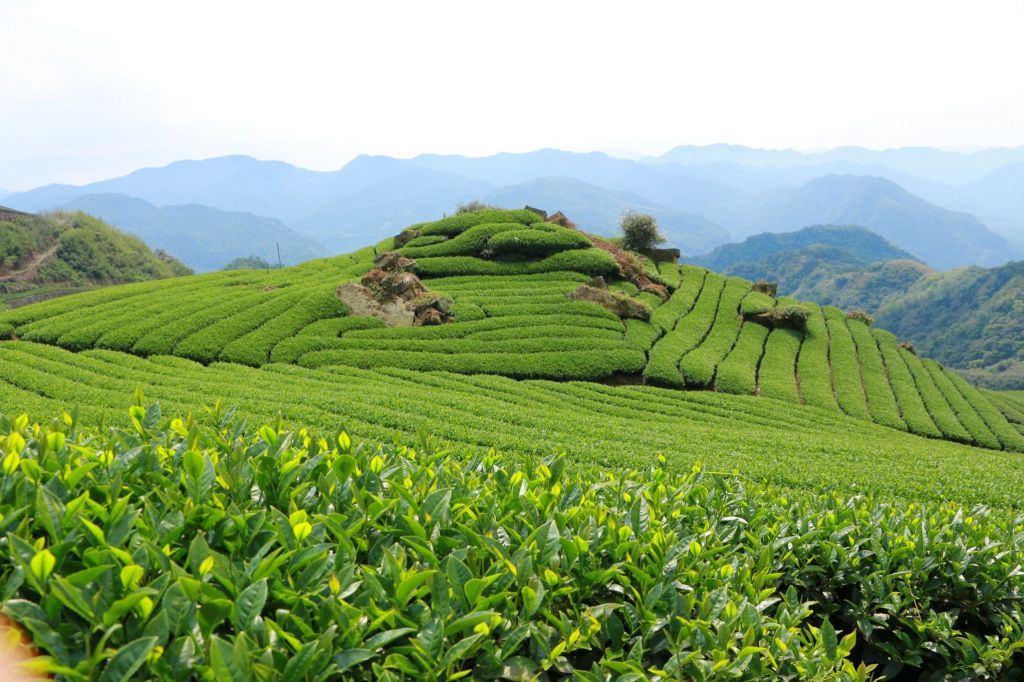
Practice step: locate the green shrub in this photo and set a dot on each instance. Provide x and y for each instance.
(640, 231)
(776, 376)
(756, 303)
(699, 365)
(881, 400)
(591, 262)
(682, 300)
(689, 331)
(486, 565)
(846, 370)
(467, 243)
(813, 366)
(533, 243)
(965, 412)
(908, 397)
(738, 372)
(641, 333)
(456, 224)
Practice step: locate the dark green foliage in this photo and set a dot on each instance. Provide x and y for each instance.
(970, 318)
(21, 236)
(77, 250)
(248, 263)
(855, 243)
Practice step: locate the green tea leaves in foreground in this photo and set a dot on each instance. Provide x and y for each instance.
(232, 553)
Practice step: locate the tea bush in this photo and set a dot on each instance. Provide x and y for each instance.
(912, 408)
(738, 372)
(534, 243)
(846, 370)
(812, 364)
(881, 400)
(170, 549)
(699, 365)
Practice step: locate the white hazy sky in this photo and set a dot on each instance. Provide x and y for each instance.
(94, 89)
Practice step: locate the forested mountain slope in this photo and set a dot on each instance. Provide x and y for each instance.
(56, 252)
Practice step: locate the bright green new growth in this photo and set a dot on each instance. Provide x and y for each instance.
(503, 565)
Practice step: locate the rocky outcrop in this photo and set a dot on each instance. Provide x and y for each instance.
(615, 301)
(394, 294)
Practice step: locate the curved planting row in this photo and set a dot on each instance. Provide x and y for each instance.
(813, 365)
(592, 423)
(847, 374)
(243, 314)
(688, 332)
(698, 366)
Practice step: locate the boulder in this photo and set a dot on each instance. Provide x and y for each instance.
(392, 261)
(615, 301)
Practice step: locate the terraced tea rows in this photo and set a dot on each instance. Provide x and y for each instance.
(782, 442)
(508, 277)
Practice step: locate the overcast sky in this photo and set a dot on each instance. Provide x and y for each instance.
(96, 89)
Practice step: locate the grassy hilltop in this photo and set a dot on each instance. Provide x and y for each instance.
(548, 487)
(53, 253)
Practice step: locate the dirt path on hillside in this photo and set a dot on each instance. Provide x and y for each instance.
(33, 264)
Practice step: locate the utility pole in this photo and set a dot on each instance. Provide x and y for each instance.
(278, 254)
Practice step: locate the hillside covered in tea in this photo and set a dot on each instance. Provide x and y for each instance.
(495, 446)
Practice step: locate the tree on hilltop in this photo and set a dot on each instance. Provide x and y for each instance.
(640, 231)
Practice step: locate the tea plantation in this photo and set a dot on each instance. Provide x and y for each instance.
(544, 487)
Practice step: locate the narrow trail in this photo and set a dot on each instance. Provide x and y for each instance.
(32, 265)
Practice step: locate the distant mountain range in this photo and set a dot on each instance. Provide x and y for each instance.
(858, 243)
(936, 165)
(599, 210)
(942, 238)
(946, 208)
(203, 238)
(970, 318)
